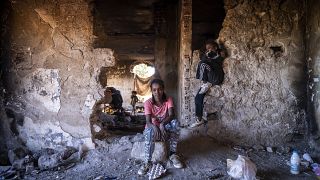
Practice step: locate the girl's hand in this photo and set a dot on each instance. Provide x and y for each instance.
(164, 134)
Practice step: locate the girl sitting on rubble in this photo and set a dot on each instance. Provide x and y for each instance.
(160, 125)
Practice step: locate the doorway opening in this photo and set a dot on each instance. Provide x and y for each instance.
(143, 36)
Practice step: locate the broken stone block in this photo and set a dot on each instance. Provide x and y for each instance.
(160, 153)
(48, 161)
(66, 157)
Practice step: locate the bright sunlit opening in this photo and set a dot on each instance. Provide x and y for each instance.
(143, 71)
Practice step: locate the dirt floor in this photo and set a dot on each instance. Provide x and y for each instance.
(204, 158)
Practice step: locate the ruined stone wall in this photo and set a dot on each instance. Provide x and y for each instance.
(313, 59)
(51, 75)
(262, 98)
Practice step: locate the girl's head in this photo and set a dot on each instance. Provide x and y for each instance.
(157, 89)
(211, 45)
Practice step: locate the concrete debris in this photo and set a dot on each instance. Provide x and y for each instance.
(44, 159)
(66, 157)
(269, 149)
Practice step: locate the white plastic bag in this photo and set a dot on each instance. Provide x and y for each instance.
(156, 171)
(242, 168)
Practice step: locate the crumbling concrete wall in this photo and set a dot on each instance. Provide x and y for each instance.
(51, 71)
(313, 60)
(262, 98)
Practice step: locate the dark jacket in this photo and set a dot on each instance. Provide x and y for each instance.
(210, 69)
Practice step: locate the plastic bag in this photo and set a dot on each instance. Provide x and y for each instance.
(156, 171)
(242, 168)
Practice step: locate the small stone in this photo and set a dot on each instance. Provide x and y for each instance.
(238, 148)
(96, 128)
(99, 178)
(159, 153)
(270, 149)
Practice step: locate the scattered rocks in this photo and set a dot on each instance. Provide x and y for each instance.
(239, 148)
